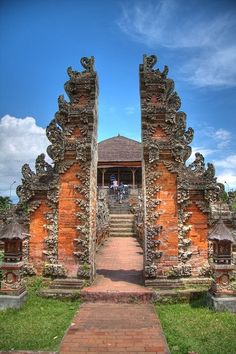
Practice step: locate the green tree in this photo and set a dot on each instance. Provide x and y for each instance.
(224, 197)
(5, 203)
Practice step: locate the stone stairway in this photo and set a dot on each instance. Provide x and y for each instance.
(117, 208)
(122, 225)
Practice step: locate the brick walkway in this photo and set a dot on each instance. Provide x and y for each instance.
(119, 264)
(116, 328)
(100, 327)
(103, 327)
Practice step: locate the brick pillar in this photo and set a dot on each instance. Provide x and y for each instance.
(176, 197)
(63, 223)
(38, 233)
(73, 134)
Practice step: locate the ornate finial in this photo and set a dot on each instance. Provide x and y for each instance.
(88, 64)
(149, 62)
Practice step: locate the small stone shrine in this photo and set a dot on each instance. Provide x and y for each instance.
(222, 294)
(12, 290)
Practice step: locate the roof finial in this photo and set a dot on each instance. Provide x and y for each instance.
(118, 134)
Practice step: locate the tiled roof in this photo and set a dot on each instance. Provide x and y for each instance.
(220, 232)
(119, 148)
(13, 230)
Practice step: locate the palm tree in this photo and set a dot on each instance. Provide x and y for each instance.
(5, 203)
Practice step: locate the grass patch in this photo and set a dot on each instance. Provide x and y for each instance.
(39, 325)
(195, 328)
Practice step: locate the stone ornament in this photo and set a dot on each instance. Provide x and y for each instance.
(166, 141)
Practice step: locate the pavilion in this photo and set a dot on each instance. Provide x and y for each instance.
(121, 157)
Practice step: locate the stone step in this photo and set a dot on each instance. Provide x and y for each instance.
(60, 293)
(122, 234)
(121, 222)
(124, 220)
(121, 229)
(122, 216)
(121, 226)
(118, 211)
(69, 283)
(143, 296)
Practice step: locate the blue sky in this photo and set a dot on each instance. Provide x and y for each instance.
(40, 39)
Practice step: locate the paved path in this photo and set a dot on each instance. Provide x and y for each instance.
(119, 265)
(116, 327)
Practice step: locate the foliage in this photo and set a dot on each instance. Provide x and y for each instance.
(39, 325)
(224, 197)
(5, 203)
(195, 328)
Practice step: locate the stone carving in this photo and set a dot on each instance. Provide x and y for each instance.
(72, 134)
(27, 173)
(88, 64)
(166, 142)
(42, 167)
(179, 271)
(102, 220)
(149, 62)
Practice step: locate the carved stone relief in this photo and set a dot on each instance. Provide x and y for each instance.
(72, 134)
(160, 106)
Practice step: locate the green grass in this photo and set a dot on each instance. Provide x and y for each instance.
(195, 328)
(39, 325)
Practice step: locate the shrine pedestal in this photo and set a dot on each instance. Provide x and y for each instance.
(12, 301)
(222, 294)
(222, 303)
(12, 291)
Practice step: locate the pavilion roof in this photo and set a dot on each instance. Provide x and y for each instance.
(119, 148)
(13, 230)
(220, 232)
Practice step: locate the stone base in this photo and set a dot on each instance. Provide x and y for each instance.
(178, 284)
(222, 303)
(12, 301)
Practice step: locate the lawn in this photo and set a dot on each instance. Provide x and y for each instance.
(195, 328)
(39, 325)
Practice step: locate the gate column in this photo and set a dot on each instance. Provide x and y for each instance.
(176, 196)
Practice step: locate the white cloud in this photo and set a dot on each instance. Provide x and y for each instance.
(203, 150)
(214, 67)
(226, 171)
(223, 138)
(173, 24)
(228, 162)
(21, 141)
(220, 137)
(228, 178)
(156, 23)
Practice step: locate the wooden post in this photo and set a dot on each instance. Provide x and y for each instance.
(118, 175)
(133, 170)
(103, 170)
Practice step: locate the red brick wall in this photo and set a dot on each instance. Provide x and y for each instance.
(67, 219)
(38, 233)
(168, 220)
(198, 235)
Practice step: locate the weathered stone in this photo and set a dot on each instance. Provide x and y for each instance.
(63, 196)
(177, 196)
